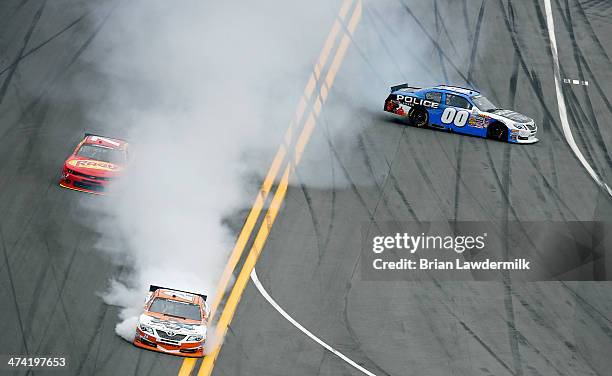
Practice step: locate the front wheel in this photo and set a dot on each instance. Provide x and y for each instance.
(419, 117)
(497, 131)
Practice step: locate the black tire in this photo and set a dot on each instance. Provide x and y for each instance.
(419, 117)
(497, 131)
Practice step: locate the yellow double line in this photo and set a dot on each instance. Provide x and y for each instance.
(282, 155)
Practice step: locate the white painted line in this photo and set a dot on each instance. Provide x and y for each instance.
(270, 300)
(575, 82)
(561, 101)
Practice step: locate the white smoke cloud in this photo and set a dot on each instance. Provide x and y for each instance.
(203, 91)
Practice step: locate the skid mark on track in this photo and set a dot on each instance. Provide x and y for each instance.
(484, 345)
(437, 22)
(503, 184)
(44, 43)
(577, 116)
(313, 218)
(466, 17)
(590, 119)
(280, 310)
(458, 179)
(361, 145)
(574, 105)
(60, 292)
(29, 111)
(442, 57)
(475, 40)
(336, 156)
(561, 102)
(593, 35)
(542, 20)
(347, 176)
(374, 17)
(350, 329)
(544, 322)
(23, 228)
(347, 322)
(472, 333)
(9, 275)
(403, 197)
(507, 280)
(382, 198)
(476, 201)
(533, 160)
(440, 24)
(333, 194)
(531, 76)
(26, 40)
(98, 328)
(381, 188)
(433, 41)
(545, 185)
(507, 206)
(459, 163)
(431, 187)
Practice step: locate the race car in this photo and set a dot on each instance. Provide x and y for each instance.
(173, 322)
(94, 164)
(459, 110)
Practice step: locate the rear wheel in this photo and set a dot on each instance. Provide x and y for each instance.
(419, 117)
(497, 131)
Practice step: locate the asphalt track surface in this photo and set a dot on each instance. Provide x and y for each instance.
(360, 167)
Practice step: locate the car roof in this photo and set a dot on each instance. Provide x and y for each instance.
(457, 90)
(108, 142)
(179, 296)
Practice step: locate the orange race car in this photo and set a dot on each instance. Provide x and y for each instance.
(173, 322)
(94, 164)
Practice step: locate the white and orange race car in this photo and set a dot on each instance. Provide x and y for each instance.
(94, 164)
(173, 322)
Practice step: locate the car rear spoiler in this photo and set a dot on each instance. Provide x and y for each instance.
(109, 137)
(403, 86)
(153, 288)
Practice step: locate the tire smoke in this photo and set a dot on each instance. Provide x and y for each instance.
(203, 92)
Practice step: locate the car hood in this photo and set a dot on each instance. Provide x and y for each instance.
(93, 167)
(173, 325)
(511, 115)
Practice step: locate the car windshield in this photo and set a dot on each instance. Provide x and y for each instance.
(483, 103)
(101, 153)
(175, 308)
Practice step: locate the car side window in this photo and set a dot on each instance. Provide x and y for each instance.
(434, 96)
(457, 101)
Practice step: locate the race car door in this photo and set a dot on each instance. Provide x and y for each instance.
(435, 112)
(455, 115)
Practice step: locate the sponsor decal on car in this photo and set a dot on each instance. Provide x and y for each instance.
(104, 139)
(395, 107)
(478, 121)
(173, 325)
(413, 101)
(179, 294)
(97, 165)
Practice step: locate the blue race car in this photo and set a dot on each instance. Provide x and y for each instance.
(460, 110)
